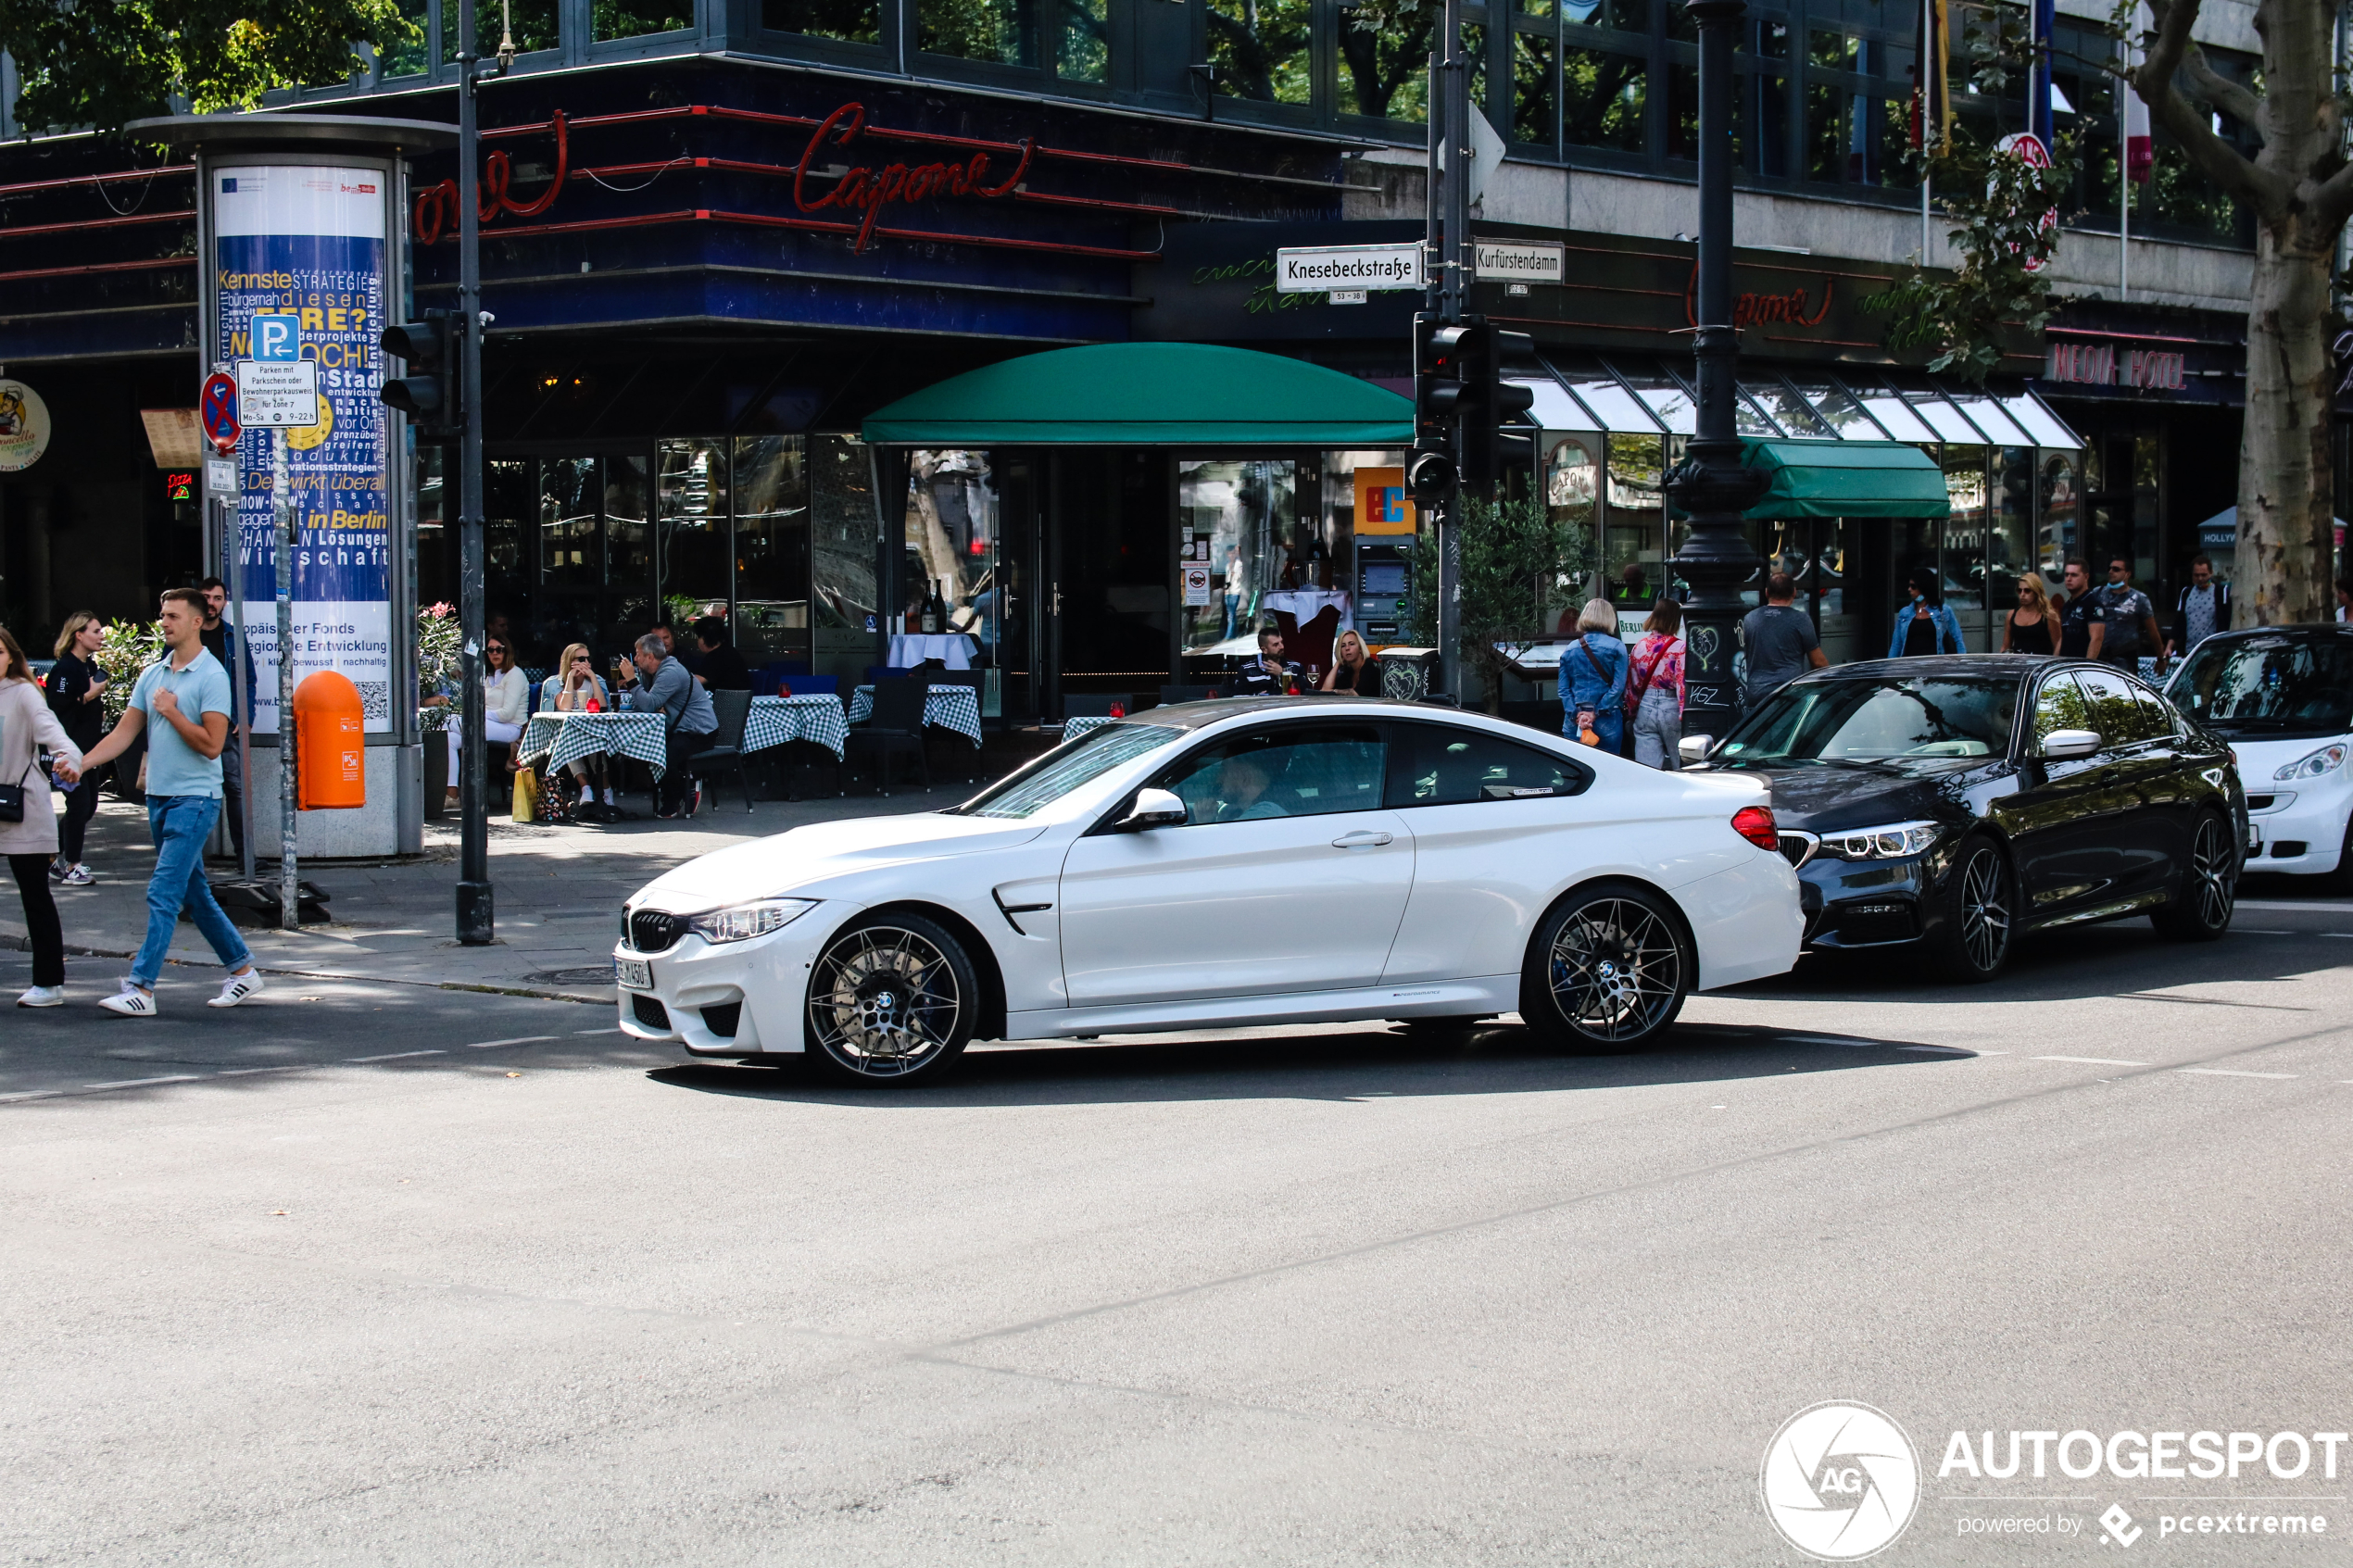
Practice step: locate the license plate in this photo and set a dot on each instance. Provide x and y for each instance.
(635, 974)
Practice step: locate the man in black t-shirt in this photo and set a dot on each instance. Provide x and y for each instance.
(720, 667)
(2080, 614)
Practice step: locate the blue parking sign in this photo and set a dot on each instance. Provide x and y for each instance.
(275, 337)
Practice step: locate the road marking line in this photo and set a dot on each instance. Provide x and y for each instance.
(2243, 931)
(2228, 1073)
(142, 1083)
(578, 1032)
(2290, 904)
(2092, 1061)
(30, 1094)
(396, 1056)
(281, 1067)
(2206, 1001)
(519, 1040)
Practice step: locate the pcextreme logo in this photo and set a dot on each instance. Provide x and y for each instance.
(1840, 1481)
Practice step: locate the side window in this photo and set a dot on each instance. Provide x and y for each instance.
(2115, 712)
(2060, 705)
(1441, 766)
(1288, 770)
(2156, 714)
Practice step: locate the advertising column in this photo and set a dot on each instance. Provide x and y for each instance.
(302, 273)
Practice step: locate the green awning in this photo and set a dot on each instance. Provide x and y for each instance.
(1846, 479)
(1148, 394)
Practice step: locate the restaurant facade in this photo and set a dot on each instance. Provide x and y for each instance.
(727, 260)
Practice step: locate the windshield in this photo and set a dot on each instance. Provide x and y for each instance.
(1897, 720)
(2259, 683)
(1072, 765)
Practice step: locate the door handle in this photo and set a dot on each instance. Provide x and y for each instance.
(1363, 838)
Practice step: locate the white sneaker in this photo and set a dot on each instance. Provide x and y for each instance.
(609, 800)
(132, 1002)
(77, 876)
(43, 996)
(236, 988)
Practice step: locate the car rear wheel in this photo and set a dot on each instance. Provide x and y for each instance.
(1607, 972)
(892, 999)
(1982, 916)
(2206, 894)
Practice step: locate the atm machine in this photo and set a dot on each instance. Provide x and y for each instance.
(1382, 585)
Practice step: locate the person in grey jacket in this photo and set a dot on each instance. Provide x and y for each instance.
(26, 725)
(689, 723)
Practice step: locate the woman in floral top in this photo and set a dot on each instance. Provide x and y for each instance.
(1655, 689)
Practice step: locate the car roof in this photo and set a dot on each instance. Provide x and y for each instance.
(1945, 664)
(1197, 715)
(2310, 630)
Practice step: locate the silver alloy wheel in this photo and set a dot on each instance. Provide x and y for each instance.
(1616, 970)
(2210, 881)
(885, 1002)
(1985, 910)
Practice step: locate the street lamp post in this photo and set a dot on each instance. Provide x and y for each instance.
(1709, 484)
(474, 927)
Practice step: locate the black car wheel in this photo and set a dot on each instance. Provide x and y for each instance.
(1608, 971)
(893, 999)
(1982, 915)
(2206, 894)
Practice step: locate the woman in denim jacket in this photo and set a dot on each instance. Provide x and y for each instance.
(1925, 625)
(1593, 677)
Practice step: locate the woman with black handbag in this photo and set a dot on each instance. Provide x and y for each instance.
(28, 821)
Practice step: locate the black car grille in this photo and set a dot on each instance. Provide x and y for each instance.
(651, 1013)
(1798, 847)
(651, 931)
(1862, 923)
(2260, 802)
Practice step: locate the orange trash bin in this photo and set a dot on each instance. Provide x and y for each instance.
(332, 744)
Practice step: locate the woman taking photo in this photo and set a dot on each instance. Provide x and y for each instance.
(1655, 689)
(1593, 679)
(2033, 626)
(1355, 670)
(77, 689)
(26, 725)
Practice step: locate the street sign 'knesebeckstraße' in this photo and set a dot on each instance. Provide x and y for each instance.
(1314, 269)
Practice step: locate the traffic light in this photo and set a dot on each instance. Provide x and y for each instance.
(1429, 476)
(428, 393)
(1439, 388)
(1491, 403)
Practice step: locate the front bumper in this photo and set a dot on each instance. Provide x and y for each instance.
(732, 999)
(1873, 903)
(2301, 832)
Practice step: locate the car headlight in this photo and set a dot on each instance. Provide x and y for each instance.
(1892, 842)
(2328, 759)
(741, 922)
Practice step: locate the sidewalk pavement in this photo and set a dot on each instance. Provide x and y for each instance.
(557, 893)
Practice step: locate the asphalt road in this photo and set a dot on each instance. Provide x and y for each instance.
(279, 1289)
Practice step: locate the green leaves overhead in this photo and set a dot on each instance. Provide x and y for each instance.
(102, 62)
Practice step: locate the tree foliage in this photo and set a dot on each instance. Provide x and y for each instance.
(1520, 565)
(2004, 219)
(103, 63)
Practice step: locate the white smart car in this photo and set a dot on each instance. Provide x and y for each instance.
(2282, 697)
(1213, 864)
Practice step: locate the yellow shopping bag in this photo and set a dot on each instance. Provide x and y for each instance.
(527, 795)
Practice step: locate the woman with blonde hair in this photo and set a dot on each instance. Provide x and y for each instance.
(1352, 667)
(77, 691)
(2033, 626)
(26, 725)
(576, 687)
(1592, 680)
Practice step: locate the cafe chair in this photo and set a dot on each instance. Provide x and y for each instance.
(896, 725)
(725, 754)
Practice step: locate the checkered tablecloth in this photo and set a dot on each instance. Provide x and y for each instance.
(564, 738)
(1074, 728)
(950, 707)
(776, 720)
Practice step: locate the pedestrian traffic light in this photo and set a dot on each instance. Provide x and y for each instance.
(428, 392)
(1490, 403)
(1429, 476)
(1440, 348)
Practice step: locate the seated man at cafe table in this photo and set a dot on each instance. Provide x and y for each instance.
(1268, 675)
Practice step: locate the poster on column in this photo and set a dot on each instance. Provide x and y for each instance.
(307, 242)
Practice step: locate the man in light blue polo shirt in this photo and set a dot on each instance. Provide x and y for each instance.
(182, 704)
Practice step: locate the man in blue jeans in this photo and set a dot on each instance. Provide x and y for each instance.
(182, 702)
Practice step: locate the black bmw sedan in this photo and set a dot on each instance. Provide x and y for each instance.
(1957, 803)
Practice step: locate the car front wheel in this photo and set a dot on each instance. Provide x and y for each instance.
(1982, 916)
(892, 1000)
(2206, 894)
(1607, 972)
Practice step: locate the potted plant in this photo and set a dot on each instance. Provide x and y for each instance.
(440, 667)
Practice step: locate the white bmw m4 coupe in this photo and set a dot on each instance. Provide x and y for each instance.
(1212, 864)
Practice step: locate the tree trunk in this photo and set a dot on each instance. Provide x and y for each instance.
(2286, 512)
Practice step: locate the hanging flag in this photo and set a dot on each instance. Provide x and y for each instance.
(1931, 85)
(2139, 155)
(1941, 85)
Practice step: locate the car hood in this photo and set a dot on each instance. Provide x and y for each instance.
(822, 850)
(1829, 799)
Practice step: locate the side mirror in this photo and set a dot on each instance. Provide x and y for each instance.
(1694, 748)
(1153, 808)
(2060, 744)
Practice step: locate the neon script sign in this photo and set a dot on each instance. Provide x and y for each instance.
(1754, 310)
(437, 208)
(868, 191)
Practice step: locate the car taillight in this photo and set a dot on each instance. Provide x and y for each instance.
(1755, 825)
